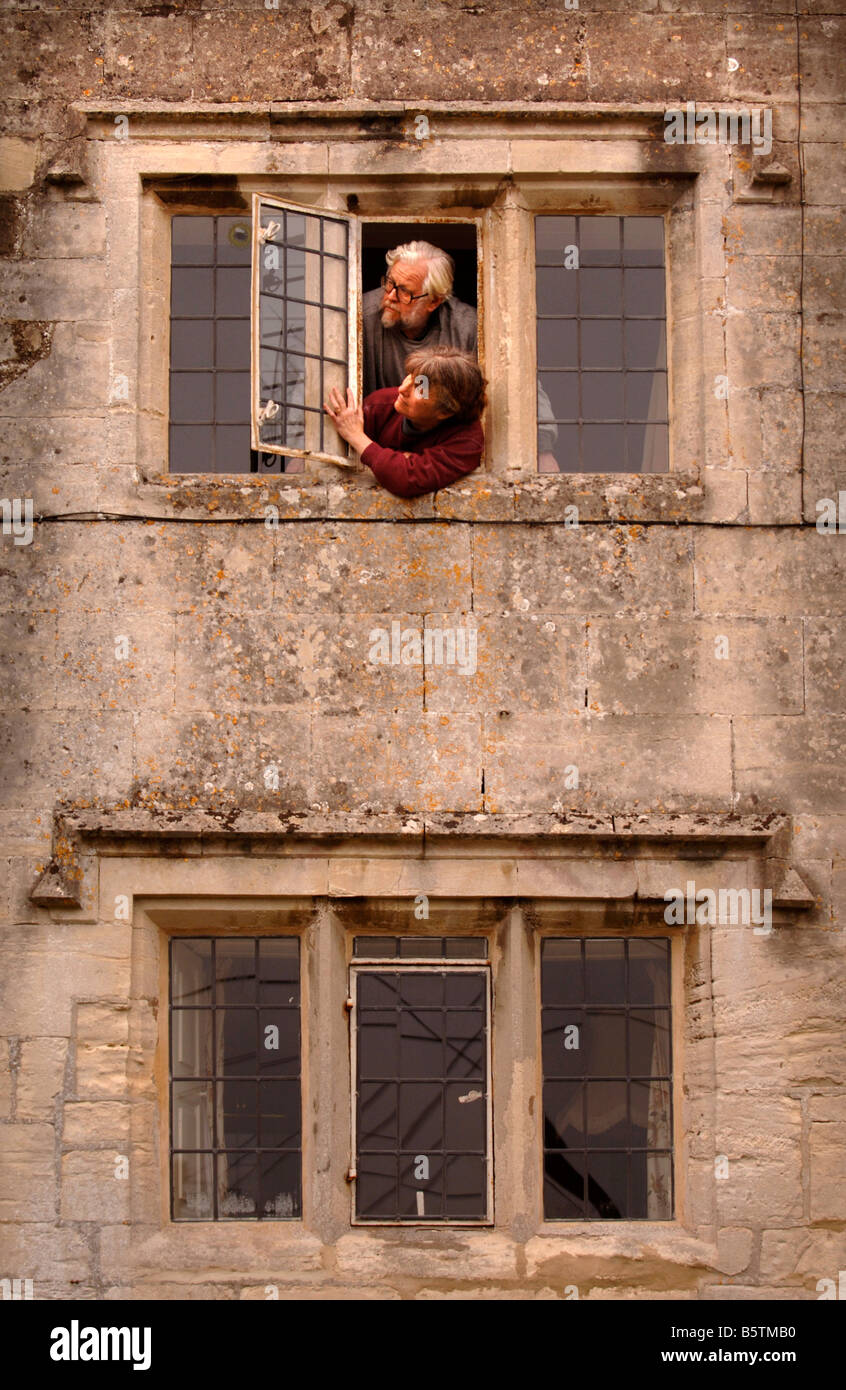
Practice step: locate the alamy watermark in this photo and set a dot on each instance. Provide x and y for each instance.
(687, 126)
(706, 907)
(16, 523)
(831, 515)
(431, 646)
(77, 1343)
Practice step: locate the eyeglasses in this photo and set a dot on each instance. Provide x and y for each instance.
(403, 295)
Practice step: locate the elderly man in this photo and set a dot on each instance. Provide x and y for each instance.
(415, 308)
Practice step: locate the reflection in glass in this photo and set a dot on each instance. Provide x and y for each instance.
(607, 1106)
(191, 293)
(601, 307)
(192, 240)
(235, 1089)
(421, 1085)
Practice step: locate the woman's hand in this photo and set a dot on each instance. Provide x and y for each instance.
(348, 418)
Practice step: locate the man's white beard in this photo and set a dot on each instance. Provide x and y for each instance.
(389, 317)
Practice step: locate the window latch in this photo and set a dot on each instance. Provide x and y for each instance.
(269, 232)
(268, 411)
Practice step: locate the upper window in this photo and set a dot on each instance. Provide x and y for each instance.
(602, 344)
(266, 318)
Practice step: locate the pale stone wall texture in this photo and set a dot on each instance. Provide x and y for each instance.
(247, 644)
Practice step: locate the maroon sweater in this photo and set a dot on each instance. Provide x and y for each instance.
(437, 456)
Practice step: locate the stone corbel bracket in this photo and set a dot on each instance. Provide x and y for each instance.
(657, 849)
(762, 185)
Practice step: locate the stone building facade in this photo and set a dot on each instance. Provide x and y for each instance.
(199, 748)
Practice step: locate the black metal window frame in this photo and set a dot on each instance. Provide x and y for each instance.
(619, 264)
(362, 965)
(218, 1077)
(580, 1010)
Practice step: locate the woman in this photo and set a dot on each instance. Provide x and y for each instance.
(424, 434)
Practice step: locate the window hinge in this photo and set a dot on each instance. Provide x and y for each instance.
(269, 232)
(351, 1175)
(268, 411)
(349, 1003)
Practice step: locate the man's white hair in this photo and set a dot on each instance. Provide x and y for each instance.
(441, 267)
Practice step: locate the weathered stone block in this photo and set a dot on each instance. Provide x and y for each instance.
(54, 1257)
(778, 573)
(646, 56)
(29, 646)
(96, 1125)
(521, 663)
(734, 1249)
(349, 568)
(87, 761)
(790, 763)
(56, 52)
(592, 570)
(5, 1079)
(802, 1253)
(670, 666)
(243, 660)
(762, 350)
(91, 1191)
(43, 290)
(18, 159)
(763, 231)
(763, 283)
(429, 762)
(825, 174)
(827, 1140)
(824, 351)
(825, 466)
(821, 57)
(775, 500)
(27, 1173)
(145, 55)
(114, 657)
(73, 375)
(262, 759)
(41, 1074)
(72, 230)
(45, 969)
(622, 762)
(825, 666)
(445, 48)
(258, 54)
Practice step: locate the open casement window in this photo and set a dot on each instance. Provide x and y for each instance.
(421, 1067)
(305, 333)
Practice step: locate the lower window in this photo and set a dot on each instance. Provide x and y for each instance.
(235, 1078)
(607, 1079)
(422, 1121)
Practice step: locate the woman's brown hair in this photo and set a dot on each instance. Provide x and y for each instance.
(454, 375)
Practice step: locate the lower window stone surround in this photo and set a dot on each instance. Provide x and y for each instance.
(581, 878)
